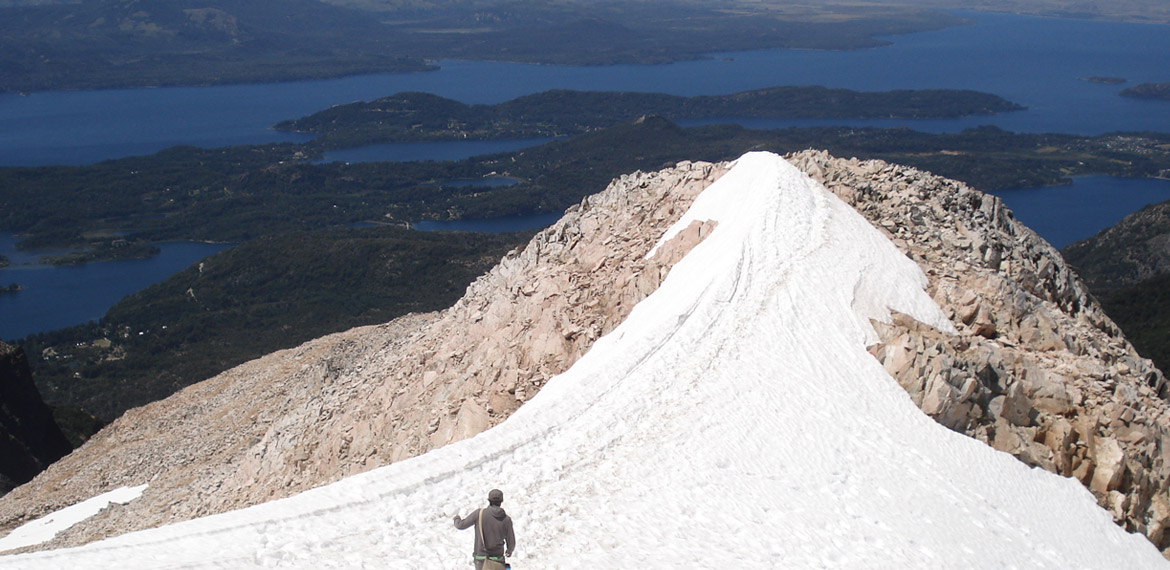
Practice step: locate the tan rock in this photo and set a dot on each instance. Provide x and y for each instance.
(1055, 382)
(1109, 458)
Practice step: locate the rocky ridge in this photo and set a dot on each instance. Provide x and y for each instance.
(1037, 369)
(356, 400)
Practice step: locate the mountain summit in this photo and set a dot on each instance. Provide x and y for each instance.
(718, 351)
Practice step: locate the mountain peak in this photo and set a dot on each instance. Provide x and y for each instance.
(725, 347)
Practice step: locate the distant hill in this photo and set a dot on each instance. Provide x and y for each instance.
(146, 43)
(142, 43)
(1127, 266)
(1133, 250)
(1142, 11)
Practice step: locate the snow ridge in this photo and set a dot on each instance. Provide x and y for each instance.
(734, 418)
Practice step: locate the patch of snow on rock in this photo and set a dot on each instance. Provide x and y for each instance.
(46, 527)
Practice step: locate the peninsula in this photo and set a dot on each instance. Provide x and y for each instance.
(1148, 91)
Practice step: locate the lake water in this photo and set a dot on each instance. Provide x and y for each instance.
(57, 297)
(1036, 62)
(1032, 61)
(436, 150)
(1065, 214)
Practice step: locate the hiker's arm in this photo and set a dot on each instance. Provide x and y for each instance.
(509, 537)
(464, 523)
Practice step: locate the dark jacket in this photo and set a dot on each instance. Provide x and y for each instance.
(497, 532)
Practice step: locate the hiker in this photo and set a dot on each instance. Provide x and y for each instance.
(493, 529)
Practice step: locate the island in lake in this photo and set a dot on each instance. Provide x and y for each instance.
(1148, 91)
(413, 116)
(104, 251)
(1105, 80)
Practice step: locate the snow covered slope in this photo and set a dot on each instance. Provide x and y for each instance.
(735, 419)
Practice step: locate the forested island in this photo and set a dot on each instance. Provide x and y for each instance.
(426, 117)
(104, 251)
(1104, 80)
(1148, 91)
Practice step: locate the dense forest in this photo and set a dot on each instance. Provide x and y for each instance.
(1143, 313)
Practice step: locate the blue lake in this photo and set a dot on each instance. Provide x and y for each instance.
(57, 297)
(1036, 62)
(1065, 214)
(437, 150)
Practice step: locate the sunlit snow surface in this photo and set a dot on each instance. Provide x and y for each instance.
(734, 420)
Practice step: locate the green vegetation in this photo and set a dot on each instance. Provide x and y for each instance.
(1125, 266)
(1122, 256)
(122, 43)
(271, 293)
(1148, 91)
(104, 251)
(240, 193)
(76, 424)
(1143, 313)
(424, 117)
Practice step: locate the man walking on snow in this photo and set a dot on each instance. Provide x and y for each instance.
(493, 532)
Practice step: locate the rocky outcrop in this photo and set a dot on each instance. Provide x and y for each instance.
(29, 438)
(356, 400)
(1038, 370)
